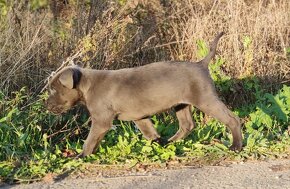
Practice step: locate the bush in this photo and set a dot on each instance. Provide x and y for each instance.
(36, 36)
(34, 143)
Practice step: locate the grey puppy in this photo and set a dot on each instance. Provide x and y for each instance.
(134, 94)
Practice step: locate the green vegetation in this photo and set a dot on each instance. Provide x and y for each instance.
(251, 75)
(34, 143)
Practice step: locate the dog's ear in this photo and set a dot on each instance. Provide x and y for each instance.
(70, 78)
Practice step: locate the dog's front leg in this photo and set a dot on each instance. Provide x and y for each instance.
(97, 132)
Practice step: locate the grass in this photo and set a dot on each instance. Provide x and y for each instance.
(34, 143)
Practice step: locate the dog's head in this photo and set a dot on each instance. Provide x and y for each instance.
(63, 90)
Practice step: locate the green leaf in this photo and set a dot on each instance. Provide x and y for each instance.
(146, 149)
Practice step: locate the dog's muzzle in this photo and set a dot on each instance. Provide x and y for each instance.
(55, 109)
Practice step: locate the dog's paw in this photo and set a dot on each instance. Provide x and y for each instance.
(160, 141)
(79, 156)
(236, 147)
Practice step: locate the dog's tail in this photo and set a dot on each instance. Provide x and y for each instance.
(212, 51)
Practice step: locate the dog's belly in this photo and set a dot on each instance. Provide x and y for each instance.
(130, 117)
(137, 111)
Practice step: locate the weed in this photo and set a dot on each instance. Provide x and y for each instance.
(34, 143)
(36, 35)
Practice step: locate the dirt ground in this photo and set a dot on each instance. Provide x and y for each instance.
(259, 174)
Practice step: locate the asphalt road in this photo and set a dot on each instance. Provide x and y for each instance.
(264, 175)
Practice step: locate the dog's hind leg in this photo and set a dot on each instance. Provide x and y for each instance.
(147, 129)
(214, 107)
(186, 124)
